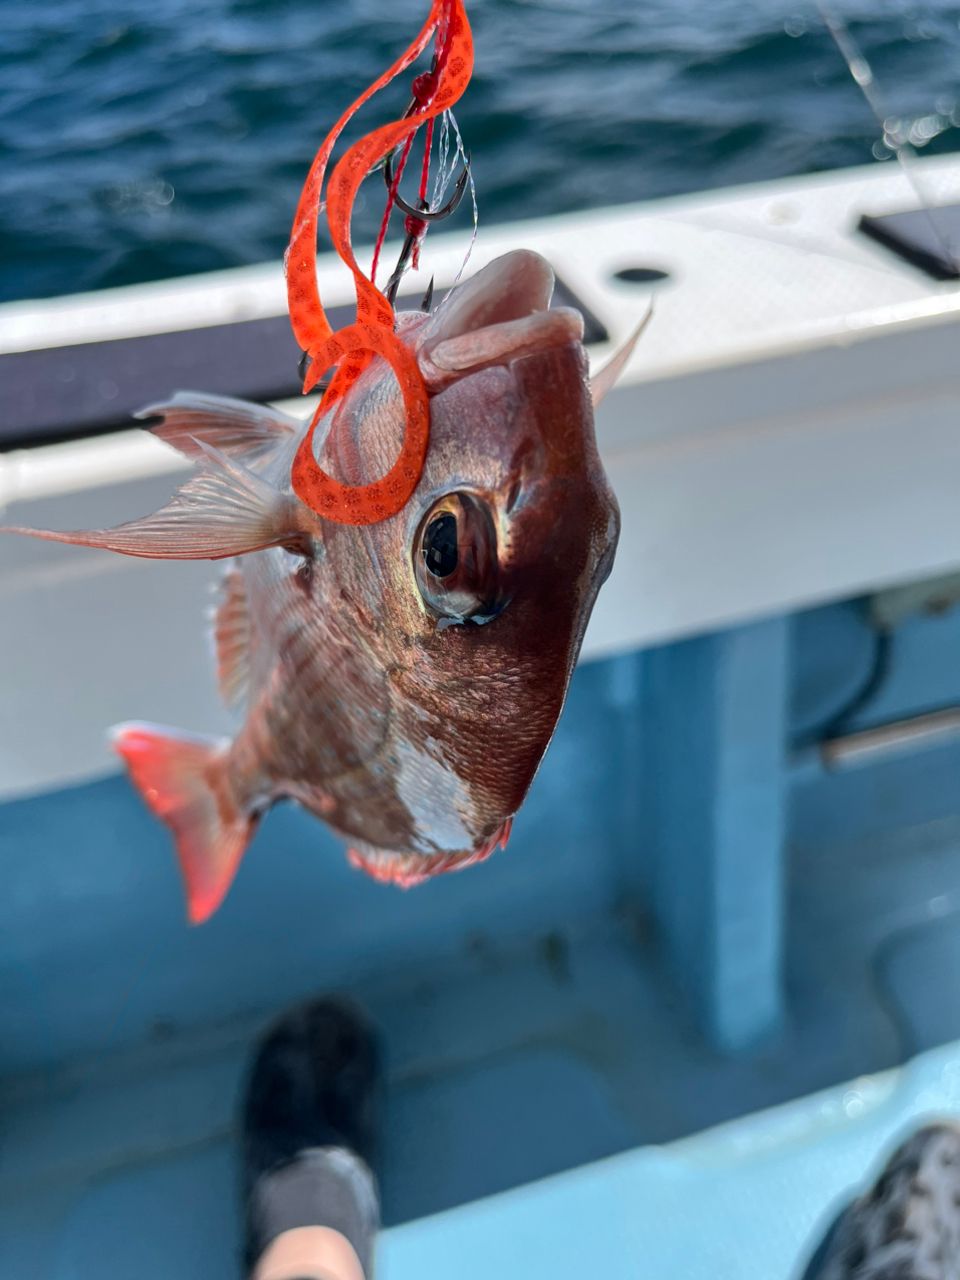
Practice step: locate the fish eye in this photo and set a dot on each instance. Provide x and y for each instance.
(455, 558)
(440, 550)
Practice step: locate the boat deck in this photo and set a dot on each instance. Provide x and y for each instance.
(530, 1023)
(720, 898)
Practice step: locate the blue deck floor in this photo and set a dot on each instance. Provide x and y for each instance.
(533, 1019)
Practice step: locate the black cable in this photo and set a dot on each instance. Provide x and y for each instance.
(837, 722)
(874, 682)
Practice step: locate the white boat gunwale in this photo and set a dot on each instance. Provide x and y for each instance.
(786, 434)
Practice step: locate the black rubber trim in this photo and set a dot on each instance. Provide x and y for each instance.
(65, 393)
(927, 239)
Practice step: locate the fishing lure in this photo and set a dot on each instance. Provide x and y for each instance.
(351, 349)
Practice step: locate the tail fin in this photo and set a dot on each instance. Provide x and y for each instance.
(183, 781)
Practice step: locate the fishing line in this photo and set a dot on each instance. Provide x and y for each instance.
(461, 157)
(388, 208)
(862, 75)
(442, 177)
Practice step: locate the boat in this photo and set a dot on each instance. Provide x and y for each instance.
(711, 979)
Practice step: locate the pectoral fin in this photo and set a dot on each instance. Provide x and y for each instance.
(232, 639)
(224, 509)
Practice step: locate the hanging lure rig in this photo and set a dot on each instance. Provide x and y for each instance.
(427, 212)
(349, 351)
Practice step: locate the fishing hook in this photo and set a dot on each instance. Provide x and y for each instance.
(418, 220)
(425, 213)
(421, 218)
(393, 284)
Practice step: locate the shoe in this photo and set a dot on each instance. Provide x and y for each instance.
(310, 1129)
(907, 1226)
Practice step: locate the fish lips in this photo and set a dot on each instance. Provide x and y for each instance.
(500, 315)
(448, 359)
(514, 285)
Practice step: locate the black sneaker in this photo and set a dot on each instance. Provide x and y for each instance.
(907, 1226)
(310, 1129)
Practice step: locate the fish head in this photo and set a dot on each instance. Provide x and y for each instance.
(483, 585)
(514, 514)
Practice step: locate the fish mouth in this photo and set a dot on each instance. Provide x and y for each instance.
(501, 314)
(408, 869)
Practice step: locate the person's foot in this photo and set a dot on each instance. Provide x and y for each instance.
(907, 1226)
(310, 1129)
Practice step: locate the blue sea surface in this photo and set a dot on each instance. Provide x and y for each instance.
(145, 140)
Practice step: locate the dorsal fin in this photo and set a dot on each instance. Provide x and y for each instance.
(231, 633)
(236, 427)
(223, 510)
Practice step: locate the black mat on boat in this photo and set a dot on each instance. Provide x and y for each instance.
(926, 238)
(66, 392)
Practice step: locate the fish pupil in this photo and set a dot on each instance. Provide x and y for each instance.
(440, 545)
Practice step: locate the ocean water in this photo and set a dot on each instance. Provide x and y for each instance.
(140, 140)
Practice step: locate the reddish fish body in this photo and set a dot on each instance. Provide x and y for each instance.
(400, 680)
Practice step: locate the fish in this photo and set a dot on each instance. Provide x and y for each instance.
(400, 680)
